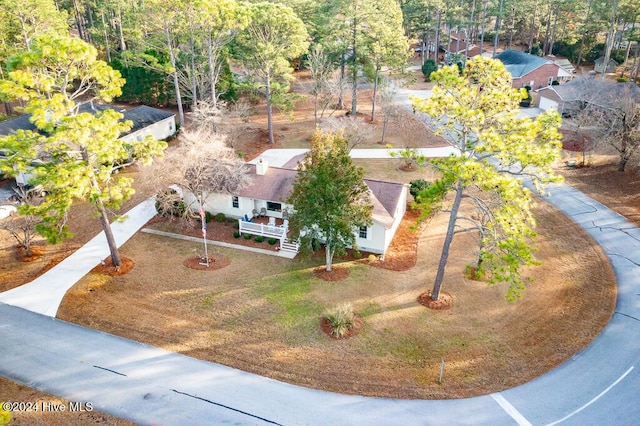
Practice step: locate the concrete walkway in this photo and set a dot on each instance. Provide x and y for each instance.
(44, 294)
(285, 254)
(600, 385)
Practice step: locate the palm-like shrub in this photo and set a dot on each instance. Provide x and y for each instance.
(341, 319)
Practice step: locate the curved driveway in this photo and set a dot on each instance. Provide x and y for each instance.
(598, 386)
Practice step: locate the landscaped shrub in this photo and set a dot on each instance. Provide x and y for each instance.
(622, 79)
(428, 67)
(168, 203)
(418, 185)
(259, 239)
(357, 254)
(341, 319)
(526, 102)
(220, 217)
(272, 241)
(236, 234)
(207, 216)
(247, 236)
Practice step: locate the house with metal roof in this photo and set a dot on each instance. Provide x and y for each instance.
(530, 70)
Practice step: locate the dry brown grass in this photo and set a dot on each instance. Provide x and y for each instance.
(240, 315)
(15, 392)
(262, 314)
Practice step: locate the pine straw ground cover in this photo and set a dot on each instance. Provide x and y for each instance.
(262, 314)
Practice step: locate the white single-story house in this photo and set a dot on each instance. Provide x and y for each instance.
(271, 186)
(146, 121)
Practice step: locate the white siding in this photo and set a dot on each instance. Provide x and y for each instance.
(160, 130)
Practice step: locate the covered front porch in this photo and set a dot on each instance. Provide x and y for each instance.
(268, 227)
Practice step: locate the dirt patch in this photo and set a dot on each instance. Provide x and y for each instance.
(199, 263)
(36, 253)
(445, 301)
(106, 267)
(402, 253)
(337, 273)
(12, 391)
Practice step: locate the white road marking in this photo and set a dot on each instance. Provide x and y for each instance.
(510, 409)
(594, 399)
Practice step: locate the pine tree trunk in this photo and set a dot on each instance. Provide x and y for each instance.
(123, 45)
(111, 241)
(214, 96)
(176, 82)
(444, 257)
(269, 110)
(375, 93)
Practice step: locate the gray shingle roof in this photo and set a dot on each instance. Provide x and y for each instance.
(142, 116)
(519, 63)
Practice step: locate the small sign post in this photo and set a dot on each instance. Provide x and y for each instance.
(441, 371)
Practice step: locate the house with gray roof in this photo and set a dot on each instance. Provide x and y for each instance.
(530, 70)
(270, 188)
(146, 121)
(599, 66)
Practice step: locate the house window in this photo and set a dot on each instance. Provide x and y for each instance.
(274, 207)
(235, 202)
(363, 232)
(549, 81)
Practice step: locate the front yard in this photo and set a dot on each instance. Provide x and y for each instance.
(262, 314)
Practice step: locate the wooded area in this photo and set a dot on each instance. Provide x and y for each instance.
(179, 52)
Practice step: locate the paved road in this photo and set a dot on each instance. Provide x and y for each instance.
(598, 386)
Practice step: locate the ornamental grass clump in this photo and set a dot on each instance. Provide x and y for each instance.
(341, 319)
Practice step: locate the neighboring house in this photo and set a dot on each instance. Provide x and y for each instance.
(563, 98)
(530, 70)
(576, 94)
(146, 121)
(271, 186)
(599, 65)
(563, 63)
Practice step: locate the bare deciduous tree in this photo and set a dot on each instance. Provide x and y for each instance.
(354, 129)
(22, 225)
(201, 164)
(613, 112)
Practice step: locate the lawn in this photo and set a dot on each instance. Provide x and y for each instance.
(262, 314)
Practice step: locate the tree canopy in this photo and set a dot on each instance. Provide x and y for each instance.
(329, 197)
(273, 36)
(80, 150)
(476, 111)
